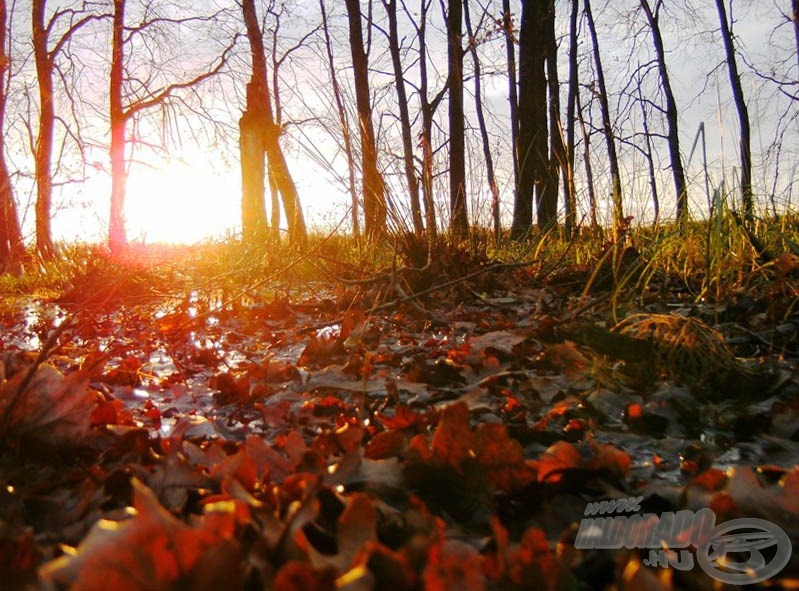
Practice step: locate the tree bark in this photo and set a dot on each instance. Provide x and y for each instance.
(251, 151)
(672, 134)
(745, 142)
(374, 195)
(481, 122)
(607, 125)
(459, 219)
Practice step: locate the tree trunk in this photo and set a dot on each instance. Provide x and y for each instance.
(481, 122)
(428, 109)
(548, 202)
(607, 125)
(251, 151)
(44, 140)
(259, 110)
(569, 188)
(343, 121)
(533, 116)
(513, 93)
(117, 238)
(459, 219)
(741, 108)
(405, 119)
(672, 134)
(11, 246)
(374, 195)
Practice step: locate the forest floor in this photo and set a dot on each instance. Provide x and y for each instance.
(262, 429)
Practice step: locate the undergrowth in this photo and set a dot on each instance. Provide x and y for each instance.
(701, 261)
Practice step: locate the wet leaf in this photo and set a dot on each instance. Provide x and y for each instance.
(52, 409)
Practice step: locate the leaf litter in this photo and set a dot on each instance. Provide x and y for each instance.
(338, 441)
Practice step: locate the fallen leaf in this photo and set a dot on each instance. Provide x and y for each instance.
(52, 409)
(151, 550)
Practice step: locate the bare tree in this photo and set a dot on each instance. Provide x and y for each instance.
(672, 134)
(139, 99)
(11, 246)
(428, 108)
(343, 122)
(459, 218)
(405, 119)
(481, 122)
(259, 134)
(533, 116)
(589, 172)
(648, 149)
(745, 143)
(374, 190)
(607, 124)
(45, 58)
(513, 89)
(569, 187)
(548, 200)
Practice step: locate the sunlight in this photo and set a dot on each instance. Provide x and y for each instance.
(180, 205)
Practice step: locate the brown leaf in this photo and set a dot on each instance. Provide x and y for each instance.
(152, 550)
(53, 409)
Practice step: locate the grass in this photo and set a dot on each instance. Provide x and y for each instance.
(703, 261)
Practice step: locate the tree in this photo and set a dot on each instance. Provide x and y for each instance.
(533, 115)
(374, 190)
(607, 124)
(343, 122)
(459, 218)
(428, 108)
(140, 97)
(11, 246)
(405, 119)
(672, 134)
(745, 141)
(513, 89)
(45, 59)
(569, 187)
(481, 122)
(548, 202)
(259, 134)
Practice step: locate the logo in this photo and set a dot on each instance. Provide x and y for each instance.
(738, 552)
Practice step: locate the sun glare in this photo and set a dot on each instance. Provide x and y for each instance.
(180, 205)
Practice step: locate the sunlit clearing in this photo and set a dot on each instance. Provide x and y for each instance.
(180, 205)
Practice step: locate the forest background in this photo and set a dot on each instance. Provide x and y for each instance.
(627, 109)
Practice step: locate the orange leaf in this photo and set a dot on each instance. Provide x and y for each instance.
(152, 550)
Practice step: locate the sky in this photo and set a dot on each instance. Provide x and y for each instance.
(193, 192)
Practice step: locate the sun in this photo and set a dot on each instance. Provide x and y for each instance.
(180, 204)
